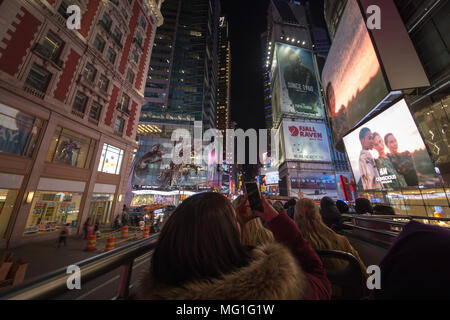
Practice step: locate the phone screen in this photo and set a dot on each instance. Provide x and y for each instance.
(253, 196)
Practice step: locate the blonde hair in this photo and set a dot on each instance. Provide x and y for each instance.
(254, 233)
(321, 237)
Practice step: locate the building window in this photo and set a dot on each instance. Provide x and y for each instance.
(62, 10)
(110, 160)
(52, 210)
(134, 56)
(96, 110)
(124, 103)
(99, 43)
(138, 40)
(18, 131)
(111, 55)
(117, 36)
(38, 78)
(103, 83)
(106, 22)
(142, 22)
(71, 148)
(89, 72)
(79, 104)
(51, 47)
(119, 125)
(130, 76)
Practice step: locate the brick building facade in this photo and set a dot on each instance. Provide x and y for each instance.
(69, 105)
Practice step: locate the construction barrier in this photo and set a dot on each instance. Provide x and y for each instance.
(125, 232)
(110, 244)
(146, 234)
(92, 240)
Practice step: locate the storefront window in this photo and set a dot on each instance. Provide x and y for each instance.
(434, 122)
(18, 131)
(7, 201)
(100, 208)
(111, 159)
(70, 148)
(51, 210)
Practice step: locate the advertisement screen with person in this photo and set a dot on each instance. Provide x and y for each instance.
(386, 153)
(296, 86)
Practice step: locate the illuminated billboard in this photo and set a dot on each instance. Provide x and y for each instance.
(352, 77)
(314, 185)
(296, 90)
(153, 167)
(366, 68)
(305, 141)
(389, 153)
(272, 178)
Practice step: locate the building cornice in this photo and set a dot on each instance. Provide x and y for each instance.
(154, 8)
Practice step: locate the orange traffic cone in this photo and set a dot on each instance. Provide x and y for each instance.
(146, 233)
(110, 244)
(92, 240)
(125, 232)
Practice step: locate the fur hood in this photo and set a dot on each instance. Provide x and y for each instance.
(273, 274)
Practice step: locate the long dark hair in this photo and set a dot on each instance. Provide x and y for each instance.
(200, 240)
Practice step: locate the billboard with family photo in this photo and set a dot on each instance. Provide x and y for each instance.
(388, 152)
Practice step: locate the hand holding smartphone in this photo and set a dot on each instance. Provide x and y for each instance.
(254, 197)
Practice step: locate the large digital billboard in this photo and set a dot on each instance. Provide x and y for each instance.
(305, 141)
(296, 89)
(352, 77)
(388, 152)
(314, 185)
(154, 169)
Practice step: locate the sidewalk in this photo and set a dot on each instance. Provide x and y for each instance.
(44, 257)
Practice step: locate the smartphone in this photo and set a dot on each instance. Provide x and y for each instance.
(254, 197)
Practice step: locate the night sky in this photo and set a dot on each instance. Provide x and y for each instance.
(247, 20)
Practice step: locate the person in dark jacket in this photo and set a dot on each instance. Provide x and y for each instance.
(86, 229)
(342, 207)
(290, 208)
(330, 214)
(199, 256)
(382, 209)
(363, 206)
(63, 235)
(116, 223)
(417, 265)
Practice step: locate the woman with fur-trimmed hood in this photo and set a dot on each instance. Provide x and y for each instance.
(199, 256)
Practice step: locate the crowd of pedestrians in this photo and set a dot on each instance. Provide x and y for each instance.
(211, 248)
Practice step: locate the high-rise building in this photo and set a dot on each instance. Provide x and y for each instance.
(181, 89)
(69, 104)
(224, 80)
(266, 78)
(295, 46)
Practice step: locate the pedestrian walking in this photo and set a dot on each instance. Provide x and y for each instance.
(96, 228)
(116, 223)
(63, 235)
(86, 229)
